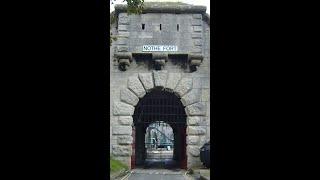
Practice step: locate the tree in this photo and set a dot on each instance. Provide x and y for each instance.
(133, 7)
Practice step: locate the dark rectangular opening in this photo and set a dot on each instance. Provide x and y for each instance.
(143, 26)
(179, 59)
(160, 27)
(177, 27)
(142, 56)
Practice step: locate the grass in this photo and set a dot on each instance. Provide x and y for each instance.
(116, 166)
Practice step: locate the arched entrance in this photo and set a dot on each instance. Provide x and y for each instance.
(157, 93)
(159, 106)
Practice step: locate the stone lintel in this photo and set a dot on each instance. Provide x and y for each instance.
(162, 7)
(195, 56)
(160, 56)
(123, 55)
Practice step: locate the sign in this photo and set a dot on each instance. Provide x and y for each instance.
(159, 48)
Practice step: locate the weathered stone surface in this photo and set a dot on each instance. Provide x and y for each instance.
(160, 78)
(205, 95)
(128, 97)
(194, 162)
(122, 130)
(160, 7)
(196, 83)
(196, 35)
(193, 140)
(196, 109)
(184, 86)
(197, 28)
(197, 16)
(197, 22)
(122, 48)
(205, 82)
(135, 85)
(194, 120)
(147, 80)
(123, 34)
(123, 18)
(125, 120)
(196, 42)
(203, 140)
(122, 41)
(124, 62)
(125, 140)
(122, 27)
(195, 62)
(123, 55)
(194, 150)
(191, 97)
(122, 109)
(196, 130)
(195, 56)
(119, 150)
(173, 80)
(196, 49)
(114, 120)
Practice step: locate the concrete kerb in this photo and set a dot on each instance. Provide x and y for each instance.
(199, 174)
(121, 175)
(127, 176)
(205, 174)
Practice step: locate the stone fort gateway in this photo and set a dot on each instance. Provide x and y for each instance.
(160, 71)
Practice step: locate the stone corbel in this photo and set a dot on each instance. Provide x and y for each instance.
(124, 60)
(159, 59)
(194, 61)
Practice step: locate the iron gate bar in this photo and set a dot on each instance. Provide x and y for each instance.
(163, 106)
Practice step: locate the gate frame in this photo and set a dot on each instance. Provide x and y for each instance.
(138, 84)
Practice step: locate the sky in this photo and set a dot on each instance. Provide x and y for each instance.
(194, 2)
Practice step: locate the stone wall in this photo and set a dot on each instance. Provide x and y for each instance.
(127, 87)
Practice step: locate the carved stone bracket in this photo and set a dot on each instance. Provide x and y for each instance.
(159, 59)
(124, 60)
(194, 61)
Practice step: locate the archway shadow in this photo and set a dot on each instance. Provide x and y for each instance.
(155, 106)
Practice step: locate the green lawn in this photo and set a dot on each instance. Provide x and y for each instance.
(116, 165)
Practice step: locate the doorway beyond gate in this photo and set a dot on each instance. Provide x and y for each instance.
(163, 107)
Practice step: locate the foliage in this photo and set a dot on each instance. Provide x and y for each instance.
(133, 7)
(116, 165)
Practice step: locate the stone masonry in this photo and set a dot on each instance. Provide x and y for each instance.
(190, 32)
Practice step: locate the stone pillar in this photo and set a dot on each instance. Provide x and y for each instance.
(195, 139)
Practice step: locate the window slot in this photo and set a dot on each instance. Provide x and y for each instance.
(177, 27)
(160, 27)
(143, 26)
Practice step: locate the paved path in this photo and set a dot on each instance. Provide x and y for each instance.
(160, 164)
(157, 174)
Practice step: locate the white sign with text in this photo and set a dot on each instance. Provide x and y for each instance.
(159, 48)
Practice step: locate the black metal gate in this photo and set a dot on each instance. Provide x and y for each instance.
(160, 106)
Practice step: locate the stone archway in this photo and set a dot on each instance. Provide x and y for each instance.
(137, 87)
